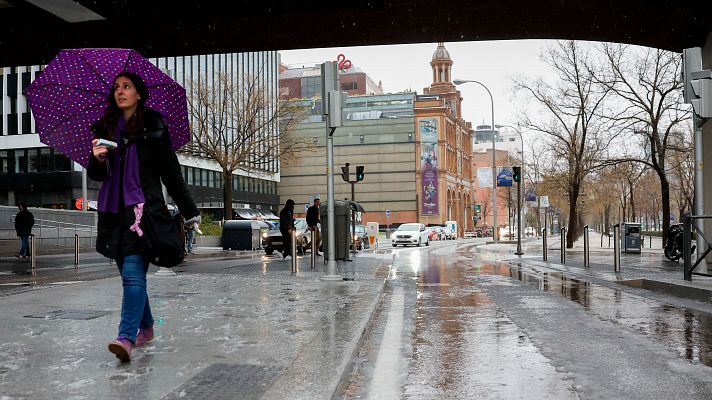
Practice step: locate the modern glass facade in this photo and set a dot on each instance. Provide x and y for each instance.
(40, 176)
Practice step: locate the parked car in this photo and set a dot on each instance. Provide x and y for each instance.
(272, 239)
(433, 233)
(410, 234)
(448, 233)
(361, 238)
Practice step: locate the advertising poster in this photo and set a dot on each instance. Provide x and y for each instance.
(504, 176)
(429, 166)
(484, 177)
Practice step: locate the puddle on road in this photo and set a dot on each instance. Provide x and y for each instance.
(688, 332)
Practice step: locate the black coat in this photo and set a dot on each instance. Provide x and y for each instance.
(157, 163)
(286, 220)
(24, 220)
(312, 215)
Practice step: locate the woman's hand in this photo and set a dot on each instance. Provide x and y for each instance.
(100, 152)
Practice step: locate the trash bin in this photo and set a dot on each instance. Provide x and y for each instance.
(342, 220)
(241, 235)
(630, 237)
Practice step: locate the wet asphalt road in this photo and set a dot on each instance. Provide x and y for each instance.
(456, 322)
(455, 325)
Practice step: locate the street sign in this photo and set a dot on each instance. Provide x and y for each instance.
(476, 218)
(504, 176)
(544, 201)
(306, 207)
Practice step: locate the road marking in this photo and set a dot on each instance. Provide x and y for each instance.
(385, 383)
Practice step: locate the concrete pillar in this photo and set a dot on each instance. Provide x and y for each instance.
(707, 144)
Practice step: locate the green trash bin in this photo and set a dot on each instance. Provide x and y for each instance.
(342, 220)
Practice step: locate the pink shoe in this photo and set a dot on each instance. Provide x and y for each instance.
(121, 347)
(144, 336)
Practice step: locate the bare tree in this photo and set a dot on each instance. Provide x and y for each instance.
(646, 82)
(682, 172)
(570, 120)
(242, 125)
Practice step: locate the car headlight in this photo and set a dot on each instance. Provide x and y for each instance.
(264, 235)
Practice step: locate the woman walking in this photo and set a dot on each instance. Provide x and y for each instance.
(131, 174)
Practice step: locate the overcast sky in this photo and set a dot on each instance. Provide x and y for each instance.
(401, 67)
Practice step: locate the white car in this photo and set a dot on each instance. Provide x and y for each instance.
(414, 234)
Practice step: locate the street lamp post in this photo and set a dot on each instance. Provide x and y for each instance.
(519, 251)
(495, 231)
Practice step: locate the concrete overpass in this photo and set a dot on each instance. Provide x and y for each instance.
(32, 31)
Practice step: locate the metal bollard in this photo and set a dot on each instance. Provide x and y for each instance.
(585, 247)
(33, 253)
(601, 238)
(544, 242)
(314, 249)
(563, 245)
(76, 250)
(616, 249)
(294, 250)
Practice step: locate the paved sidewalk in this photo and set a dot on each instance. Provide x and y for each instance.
(257, 332)
(648, 270)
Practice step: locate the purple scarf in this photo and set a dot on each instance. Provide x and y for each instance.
(111, 187)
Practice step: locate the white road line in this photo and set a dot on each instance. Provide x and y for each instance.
(386, 383)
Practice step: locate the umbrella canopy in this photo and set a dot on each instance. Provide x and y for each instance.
(72, 91)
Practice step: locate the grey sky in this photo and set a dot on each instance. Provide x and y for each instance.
(401, 67)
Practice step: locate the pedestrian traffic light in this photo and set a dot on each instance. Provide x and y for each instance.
(359, 173)
(478, 208)
(345, 172)
(517, 174)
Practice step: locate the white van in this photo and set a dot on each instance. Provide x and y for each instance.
(453, 227)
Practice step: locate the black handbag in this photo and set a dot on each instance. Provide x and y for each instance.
(164, 237)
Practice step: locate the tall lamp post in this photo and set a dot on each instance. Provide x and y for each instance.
(519, 251)
(495, 231)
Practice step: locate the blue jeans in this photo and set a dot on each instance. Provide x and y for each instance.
(135, 310)
(190, 234)
(25, 246)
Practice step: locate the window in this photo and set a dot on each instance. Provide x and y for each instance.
(34, 160)
(311, 87)
(4, 162)
(189, 175)
(349, 86)
(20, 161)
(46, 160)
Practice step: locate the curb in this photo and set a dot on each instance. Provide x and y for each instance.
(357, 343)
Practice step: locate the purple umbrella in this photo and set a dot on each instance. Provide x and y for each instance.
(71, 94)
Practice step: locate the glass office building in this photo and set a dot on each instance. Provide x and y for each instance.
(38, 175)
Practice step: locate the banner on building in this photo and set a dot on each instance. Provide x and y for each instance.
(429, 166)
(484, 177)
(504, 176)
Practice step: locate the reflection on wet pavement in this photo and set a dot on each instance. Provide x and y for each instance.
(688, 332)
(466, 348)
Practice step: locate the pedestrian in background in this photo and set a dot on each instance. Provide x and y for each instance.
(24, 221)
(286, 226)
(313, 220)
(190, 230)
(131, 176)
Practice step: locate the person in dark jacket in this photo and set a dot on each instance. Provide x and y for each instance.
(286, 226)
(313, 222)
(24, 220)
(131, 176)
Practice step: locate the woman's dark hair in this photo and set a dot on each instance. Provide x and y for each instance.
(134, 126)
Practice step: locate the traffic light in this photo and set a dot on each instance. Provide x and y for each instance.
(478, 208)
(517, 174)
(359, 173)
(345, 172)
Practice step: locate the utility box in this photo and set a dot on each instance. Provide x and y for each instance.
(241, 235)
(372, 230)
(630, 237)
(342, 231)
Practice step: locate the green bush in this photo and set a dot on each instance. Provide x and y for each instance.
(209, 227)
